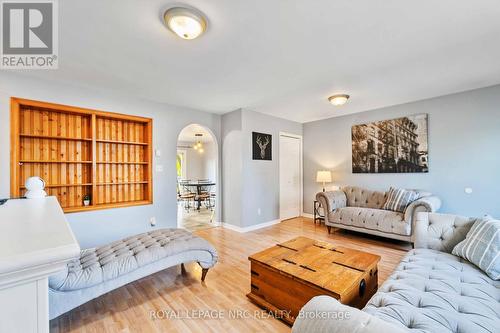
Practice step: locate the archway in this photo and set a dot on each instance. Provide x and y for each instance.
(197, 167)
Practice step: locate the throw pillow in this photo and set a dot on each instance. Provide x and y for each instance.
(481, 246)
(398, 199)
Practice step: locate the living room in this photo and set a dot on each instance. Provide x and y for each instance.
(349, 154)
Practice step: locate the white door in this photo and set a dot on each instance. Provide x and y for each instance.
(290, 177)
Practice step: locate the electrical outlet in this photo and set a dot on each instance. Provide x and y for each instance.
(152, 221)
(468, 190)
(159, 168)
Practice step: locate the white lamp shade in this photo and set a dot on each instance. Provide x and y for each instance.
(324, 176)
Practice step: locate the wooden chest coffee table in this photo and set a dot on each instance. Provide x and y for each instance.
(286, 276)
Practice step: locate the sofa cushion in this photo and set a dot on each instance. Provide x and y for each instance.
(97, 265)
(375, 219)
(360, 197)
(433, 291)
(480, 246)
(398, 199)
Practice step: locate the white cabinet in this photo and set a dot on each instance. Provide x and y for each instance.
(35, 242)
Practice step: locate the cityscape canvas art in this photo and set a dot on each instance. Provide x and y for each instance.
(262, 146)
(391, 146)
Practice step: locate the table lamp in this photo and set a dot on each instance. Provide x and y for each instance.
(324, 176)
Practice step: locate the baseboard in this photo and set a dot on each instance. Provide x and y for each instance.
(249, 228)
(311, 216)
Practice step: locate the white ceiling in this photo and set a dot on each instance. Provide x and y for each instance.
(188, 134)
(283, 57)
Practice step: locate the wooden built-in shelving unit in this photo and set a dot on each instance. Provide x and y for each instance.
(81, 152)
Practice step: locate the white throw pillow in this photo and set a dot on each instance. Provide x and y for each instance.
(398, 199)
(481, 246)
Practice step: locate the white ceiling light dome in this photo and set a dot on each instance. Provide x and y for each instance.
(187, 23)
(339, 99)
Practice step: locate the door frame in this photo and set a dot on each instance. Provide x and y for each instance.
(301, 169)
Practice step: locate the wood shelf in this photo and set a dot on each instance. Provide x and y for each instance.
(122, 183)
(52, 137)
(122, 142)
(115, 162)
(42, 161)
(107, 206)
(78, 153)
(62, 185)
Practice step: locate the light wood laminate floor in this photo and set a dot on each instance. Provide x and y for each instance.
(168, 293)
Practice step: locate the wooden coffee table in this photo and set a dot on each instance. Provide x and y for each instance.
(286, 276)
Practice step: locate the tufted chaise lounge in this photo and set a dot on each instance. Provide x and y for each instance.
(431, 291)
(100, 270)
(358, 209)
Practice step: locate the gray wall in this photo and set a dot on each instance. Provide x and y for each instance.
(252, 185)
(98, 227)
(232, 167)
(464, 151)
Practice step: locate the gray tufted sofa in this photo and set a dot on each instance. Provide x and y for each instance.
(100, 270)
(430, 291)
(359, 209)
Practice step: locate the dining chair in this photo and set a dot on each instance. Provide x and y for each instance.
(186, 196)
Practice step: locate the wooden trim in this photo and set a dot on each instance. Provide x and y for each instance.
(76, 110)
(123, 142)
(49, 137)
(62, 144)
(149, 135)
(63, 185)
(14, 149)
(61, 162)
(107, 206)
(93, 124)
(116, 162)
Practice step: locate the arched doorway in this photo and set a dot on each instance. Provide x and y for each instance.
(197, 178)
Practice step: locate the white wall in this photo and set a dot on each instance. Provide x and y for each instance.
(99, 227)
(209, 161)
(195, 162)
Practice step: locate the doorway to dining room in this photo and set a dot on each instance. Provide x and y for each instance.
(197, 171)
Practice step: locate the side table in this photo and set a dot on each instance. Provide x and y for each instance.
(317, 213)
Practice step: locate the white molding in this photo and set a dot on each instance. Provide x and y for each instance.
(249, 228)
(311, 216)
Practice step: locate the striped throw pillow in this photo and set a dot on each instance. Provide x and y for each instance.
(398, 199)
(481, 246)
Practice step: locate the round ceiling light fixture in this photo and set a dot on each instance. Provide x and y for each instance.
(187, 23)
(339, 99)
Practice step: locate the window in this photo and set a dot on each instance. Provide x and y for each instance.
(181, 164)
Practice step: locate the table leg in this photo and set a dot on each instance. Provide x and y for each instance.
(314, 210)
(198, 189)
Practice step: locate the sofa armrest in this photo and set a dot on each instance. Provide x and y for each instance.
(428, 204)
(324, 314)
(440, 232)
(331, 200)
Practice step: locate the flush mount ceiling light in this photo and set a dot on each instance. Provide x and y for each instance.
(339, 99)
(187, 23)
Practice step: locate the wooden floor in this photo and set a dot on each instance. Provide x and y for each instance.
(142, 306)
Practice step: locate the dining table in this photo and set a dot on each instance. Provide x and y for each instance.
(198, 186)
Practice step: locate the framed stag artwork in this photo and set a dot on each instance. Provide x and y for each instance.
(262, 145)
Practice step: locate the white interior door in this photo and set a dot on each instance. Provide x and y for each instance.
(290, 177)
